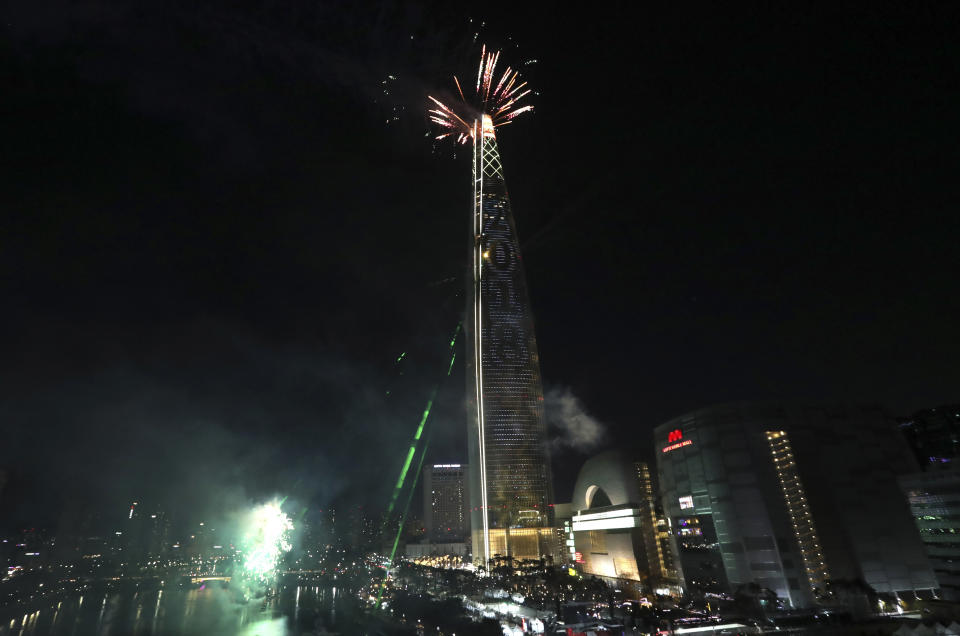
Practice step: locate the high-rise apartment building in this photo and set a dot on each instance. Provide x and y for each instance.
(934, 435)
(657, 561)
(445, 502)
(934, 498)
(510, 482)
(663, 532)
(934, 494)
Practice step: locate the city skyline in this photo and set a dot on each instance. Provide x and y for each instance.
(694, 373)
(204, 273)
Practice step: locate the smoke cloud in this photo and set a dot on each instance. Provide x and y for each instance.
(206, 421)
(569, 424)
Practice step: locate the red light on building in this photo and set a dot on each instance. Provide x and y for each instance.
(686, 442)
(674, 436)
(578, 557)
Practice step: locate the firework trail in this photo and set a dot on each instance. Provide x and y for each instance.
(397, 366)
(499, 99)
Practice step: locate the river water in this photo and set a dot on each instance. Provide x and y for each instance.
(212, 610)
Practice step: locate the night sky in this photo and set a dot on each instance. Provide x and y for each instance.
(223, 222)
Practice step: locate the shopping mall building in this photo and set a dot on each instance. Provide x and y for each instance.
(789, 499)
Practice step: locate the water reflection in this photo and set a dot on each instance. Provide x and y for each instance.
(211, 610)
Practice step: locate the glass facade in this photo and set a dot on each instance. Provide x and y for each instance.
(795, 496)
(935, 503)
(510, 481)
(934, 494)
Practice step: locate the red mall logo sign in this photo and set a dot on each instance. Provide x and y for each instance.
(675, 440)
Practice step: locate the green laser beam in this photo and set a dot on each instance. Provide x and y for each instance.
(403, 516)
(413, 487)
(398, 487)
(411, 453)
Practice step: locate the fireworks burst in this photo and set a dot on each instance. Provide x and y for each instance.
(266, 539)
(499, 99)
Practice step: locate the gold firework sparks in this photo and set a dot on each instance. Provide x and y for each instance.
(498, 99)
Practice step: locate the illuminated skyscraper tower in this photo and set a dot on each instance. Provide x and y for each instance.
(510, 487)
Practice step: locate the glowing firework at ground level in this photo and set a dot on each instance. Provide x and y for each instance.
(266, 538)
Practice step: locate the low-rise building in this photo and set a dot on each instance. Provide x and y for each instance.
(614, 531)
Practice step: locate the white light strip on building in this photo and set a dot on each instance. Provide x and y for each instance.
(796, 503)
(607, 524)
(609, 514)
(708, 628)
(478, 323)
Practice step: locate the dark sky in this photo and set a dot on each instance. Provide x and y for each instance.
(216, 239)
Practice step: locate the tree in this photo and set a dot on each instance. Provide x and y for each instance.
(753, 600)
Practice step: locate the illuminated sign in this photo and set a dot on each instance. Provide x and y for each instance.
(686, 502)
(609, 520)
(686, 442)
(591, 516)
(617, 523)
(578, 557)
(675, 436)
